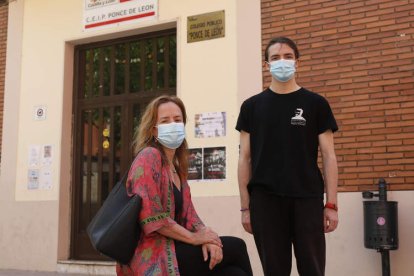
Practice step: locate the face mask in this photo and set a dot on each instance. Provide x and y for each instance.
(283, 70)
(171, 135)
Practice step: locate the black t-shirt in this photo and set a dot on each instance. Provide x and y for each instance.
(284, 131)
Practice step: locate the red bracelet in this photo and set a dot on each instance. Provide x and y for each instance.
(332, 206)
(244, 209)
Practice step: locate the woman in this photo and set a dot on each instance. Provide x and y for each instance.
(174, 240)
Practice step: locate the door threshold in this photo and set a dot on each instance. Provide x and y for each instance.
(86, 267)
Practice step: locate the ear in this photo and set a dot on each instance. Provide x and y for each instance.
(267, 66)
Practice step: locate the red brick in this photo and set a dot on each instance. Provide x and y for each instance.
(392, 27)
(393, 4)
(380, 11)
(384, 82)
(359, 56)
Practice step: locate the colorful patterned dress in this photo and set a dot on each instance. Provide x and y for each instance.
(155, 253)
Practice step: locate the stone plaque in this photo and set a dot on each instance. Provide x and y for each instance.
(205, 26)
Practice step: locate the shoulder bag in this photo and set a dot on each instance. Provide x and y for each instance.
(115, 231)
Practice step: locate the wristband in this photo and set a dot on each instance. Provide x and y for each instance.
(332, 206)
(244, 209)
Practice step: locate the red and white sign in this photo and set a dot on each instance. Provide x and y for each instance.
(101, 13)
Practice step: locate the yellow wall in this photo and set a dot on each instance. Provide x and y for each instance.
(208, 74)
(42, 36)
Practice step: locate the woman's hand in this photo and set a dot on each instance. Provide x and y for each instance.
(206, 235)
(216, 254)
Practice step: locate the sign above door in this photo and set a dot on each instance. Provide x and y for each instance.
(105, 13)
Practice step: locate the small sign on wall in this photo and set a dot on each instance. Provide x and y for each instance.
(40, 173)
(39, 113)
(205, 26)
(104, 13)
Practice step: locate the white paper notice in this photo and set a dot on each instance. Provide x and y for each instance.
(34, 155)
(40, 172)
(45, 182)
(210, 124)
(33, 179)
(47, 156)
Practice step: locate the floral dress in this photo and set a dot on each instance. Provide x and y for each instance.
(155, 253)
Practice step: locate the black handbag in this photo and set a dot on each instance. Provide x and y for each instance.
(115, 231)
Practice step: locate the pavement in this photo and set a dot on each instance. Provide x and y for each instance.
(10, 272)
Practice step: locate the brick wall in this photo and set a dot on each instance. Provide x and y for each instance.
(359, 54)
(3, 39)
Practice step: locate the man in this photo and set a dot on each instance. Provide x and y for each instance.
(281, 186)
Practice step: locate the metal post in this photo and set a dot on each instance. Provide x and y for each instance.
(382, 190)
(385, 260)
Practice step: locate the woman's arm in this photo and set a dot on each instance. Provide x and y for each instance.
(202, 236)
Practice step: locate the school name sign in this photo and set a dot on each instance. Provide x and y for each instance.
(102, 13)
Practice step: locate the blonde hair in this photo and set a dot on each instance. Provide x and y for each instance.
(144, 134)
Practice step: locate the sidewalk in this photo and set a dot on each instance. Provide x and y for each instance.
(34, 273)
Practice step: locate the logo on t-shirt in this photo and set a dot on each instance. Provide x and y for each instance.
(298, 120)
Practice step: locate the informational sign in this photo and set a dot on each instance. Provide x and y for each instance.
(205, 26)
(210, 124)
(40, 161)
(101, 13)
(207, 164)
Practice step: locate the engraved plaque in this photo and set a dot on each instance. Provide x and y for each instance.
(205, 26)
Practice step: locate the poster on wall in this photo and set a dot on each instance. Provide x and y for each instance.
(33, 179)
(104, 13)
(34, 155)
(40, 173)
(195, 164)
(214, 163)
(210, 124)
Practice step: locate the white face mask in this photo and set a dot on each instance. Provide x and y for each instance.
(171, 135)
(282, 70)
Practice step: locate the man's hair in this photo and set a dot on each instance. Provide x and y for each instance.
(282, 40)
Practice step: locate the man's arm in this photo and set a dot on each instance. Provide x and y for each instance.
(244, 174)
(330, 172)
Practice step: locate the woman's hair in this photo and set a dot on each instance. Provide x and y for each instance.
(282, 40)
(144, 134)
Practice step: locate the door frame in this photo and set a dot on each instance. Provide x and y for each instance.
(127, 100)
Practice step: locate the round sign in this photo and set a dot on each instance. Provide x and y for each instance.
(40, 112)
(381, 221)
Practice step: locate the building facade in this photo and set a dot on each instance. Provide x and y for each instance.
(79, 73)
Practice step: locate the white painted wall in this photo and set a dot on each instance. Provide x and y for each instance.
(35, 228)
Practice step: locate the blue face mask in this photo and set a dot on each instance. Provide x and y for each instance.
(282, 70)
(171, 135)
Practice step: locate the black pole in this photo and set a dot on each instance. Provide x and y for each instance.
(385, 259)
(382, 190)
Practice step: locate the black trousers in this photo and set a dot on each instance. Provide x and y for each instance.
(235, 261)
(277, 223)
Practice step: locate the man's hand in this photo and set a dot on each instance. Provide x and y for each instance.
(216, 254)
(245, 219)
(330, 220)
